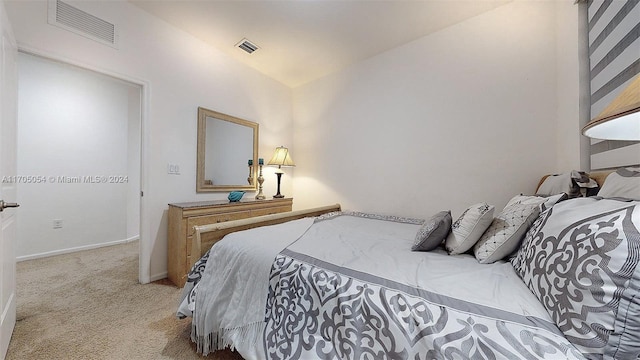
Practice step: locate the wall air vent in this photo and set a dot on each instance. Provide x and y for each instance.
(247, 46)
(71, 18)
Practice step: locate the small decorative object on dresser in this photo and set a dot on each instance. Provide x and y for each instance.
(184, 216)
(250, 178)
(235, 196)
(260, 195)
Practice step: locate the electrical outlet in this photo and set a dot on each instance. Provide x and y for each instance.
(57, 224)
(173, 169)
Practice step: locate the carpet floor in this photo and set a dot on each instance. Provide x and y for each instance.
(89, 305)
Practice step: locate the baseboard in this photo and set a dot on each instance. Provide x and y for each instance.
(7, 323)
(76, 249)
(159, 276)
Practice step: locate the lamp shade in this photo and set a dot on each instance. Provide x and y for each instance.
(620, 120)
(281, 157)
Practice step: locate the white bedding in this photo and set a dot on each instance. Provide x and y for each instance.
(382, 249)
(329, 264)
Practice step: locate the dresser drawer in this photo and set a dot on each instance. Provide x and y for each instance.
(213, 219)
(270, 210)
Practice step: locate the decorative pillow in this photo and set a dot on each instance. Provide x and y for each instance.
(580, 259)
(504, 235)
(555, 184)
(468, 228)
(549, 201)
(574, 184)
(433, 232)
(545, 201)
(624, 183)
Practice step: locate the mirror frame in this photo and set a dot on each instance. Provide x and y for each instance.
(202, 132)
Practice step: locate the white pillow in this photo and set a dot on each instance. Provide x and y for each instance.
(468, 228)
(531, 200)
(556, 184)
(624, 183)
(545, 202)
(507, 230)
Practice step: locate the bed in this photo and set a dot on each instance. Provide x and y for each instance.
(330, 284)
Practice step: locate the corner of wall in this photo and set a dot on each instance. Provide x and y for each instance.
(569, 87)
(585, 83)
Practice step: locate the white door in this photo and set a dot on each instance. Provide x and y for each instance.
(8, 101)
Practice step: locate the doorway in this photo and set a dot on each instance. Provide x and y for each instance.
(79, 156)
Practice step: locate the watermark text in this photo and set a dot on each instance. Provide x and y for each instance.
(61, 179)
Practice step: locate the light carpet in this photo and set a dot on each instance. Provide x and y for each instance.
(89, 305)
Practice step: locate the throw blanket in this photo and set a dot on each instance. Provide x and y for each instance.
(237, 279)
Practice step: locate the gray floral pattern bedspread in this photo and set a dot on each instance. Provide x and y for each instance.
(349, 288)
(320, 312)
(328, 305)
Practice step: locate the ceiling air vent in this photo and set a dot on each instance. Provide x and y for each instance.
(247, 46)
(82, 23)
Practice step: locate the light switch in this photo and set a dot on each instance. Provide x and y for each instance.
(173, 169)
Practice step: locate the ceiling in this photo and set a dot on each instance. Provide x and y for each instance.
(302, 40)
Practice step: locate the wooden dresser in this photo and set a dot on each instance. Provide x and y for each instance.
(184, 216)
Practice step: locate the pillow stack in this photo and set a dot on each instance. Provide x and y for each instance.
(495, 238)
(492, 239)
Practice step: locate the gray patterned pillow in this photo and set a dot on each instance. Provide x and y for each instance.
(506, 231)
(580, 259)
(433, 232)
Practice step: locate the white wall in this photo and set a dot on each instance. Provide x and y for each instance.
(180, 73)
(466, 114)
(463, 115)
(568, 67)
(73, 128)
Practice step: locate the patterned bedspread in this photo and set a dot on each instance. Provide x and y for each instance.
(349, 288)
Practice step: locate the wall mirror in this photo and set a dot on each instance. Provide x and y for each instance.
(226, 146)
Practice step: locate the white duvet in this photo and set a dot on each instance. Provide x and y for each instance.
(231, 297)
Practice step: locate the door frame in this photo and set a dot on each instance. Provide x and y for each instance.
(144, 244)
(9, 101)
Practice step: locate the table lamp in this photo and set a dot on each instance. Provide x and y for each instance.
(281, 158)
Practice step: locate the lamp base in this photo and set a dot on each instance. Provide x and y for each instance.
(278, 195)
